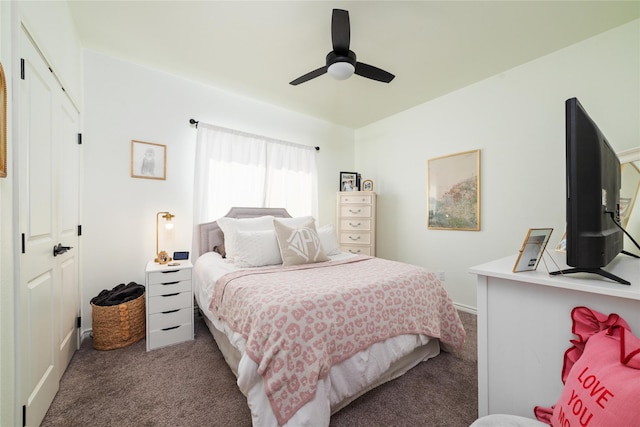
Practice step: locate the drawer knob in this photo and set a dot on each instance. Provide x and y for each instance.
(354, 238)
(355, 225)
(354, 252)
(170, 283)
(169, 271)
(170, 295)
(172, 327)
(354, 212)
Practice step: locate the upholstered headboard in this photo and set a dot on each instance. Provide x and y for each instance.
(211, 235)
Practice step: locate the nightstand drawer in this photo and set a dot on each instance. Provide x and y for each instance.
(169, 302)
(169, 275)
(168, 319)
(358, 250)
(355, 238)
(169, 288)
(161, 338)
(355, 211)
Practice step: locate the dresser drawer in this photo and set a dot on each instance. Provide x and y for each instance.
(169, 319)
(169, 276)
(169, 302)
(161, 338)
(359, 238)
(355, 211)
(358, 250)
(350, 198)
(355, 224)
(169, 288)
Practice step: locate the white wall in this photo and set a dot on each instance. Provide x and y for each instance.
(124, 101)
(516, 119)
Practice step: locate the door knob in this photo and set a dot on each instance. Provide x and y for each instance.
(59, 249)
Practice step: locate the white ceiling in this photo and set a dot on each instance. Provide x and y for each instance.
(256, 48)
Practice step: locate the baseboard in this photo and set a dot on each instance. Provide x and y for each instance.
(466, 308)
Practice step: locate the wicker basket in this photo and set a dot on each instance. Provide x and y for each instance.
(118, 326)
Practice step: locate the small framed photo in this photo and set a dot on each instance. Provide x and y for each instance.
(532, 249)
(349, 181)
(148, 160)
(367, 185)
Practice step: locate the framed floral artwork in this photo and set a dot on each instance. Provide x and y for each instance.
(454, 192)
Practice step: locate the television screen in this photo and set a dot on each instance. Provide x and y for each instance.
(594, 238)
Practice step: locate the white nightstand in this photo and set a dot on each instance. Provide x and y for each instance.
(169, 304)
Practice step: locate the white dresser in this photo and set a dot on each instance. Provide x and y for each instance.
(356, 222)
(524, 327)
(169, 304)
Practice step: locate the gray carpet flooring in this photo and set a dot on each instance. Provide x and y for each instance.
(190, 385)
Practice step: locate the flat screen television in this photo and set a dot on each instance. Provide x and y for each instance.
(594, 236)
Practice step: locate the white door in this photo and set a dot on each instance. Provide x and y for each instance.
(48, 203)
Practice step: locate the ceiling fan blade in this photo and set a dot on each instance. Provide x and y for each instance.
(311, 75)
(340, 31)
(374, 73)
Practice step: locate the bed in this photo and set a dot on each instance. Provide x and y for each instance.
(307, 328)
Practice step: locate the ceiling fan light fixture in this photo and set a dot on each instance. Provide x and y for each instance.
(341, 70)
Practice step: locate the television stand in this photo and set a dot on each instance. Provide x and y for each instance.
(599, 271)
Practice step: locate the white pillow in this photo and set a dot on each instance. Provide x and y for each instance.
(297, 221)
(257, 248)
(328, 239)
(231, 226)
(299, 245)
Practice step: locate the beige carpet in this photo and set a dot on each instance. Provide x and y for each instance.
(190, 385)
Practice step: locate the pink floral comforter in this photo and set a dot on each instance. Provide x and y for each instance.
(299, 321)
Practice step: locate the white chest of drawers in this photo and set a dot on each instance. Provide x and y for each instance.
(169, 304)
(356, 222)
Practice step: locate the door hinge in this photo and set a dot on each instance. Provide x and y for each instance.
(22, 68)
(23, 248)
(79, 322)
(79, 139)
(24, 415)
(79, 230)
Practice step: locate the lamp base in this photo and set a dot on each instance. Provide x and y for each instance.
(162, 258)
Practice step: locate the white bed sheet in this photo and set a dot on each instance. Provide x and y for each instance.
(346, 381)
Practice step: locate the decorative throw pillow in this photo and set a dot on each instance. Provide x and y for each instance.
(257, 248)
(327, 234)
(231, 226)
(602, 384)
(299, 245)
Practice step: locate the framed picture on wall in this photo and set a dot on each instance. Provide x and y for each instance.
(148, 160)
(454, 192)
(349, 181)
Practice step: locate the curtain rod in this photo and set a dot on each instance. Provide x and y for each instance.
(194, 122)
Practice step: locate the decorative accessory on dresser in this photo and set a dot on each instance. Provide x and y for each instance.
(162, 256)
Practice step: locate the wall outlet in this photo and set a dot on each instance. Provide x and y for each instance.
(441, 276)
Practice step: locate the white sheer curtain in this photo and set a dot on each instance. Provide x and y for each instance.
(234, 168)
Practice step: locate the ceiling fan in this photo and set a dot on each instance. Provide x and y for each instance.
(341, 62)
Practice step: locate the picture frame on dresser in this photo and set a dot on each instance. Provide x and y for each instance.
(532, 249)
(349, 181)
(367, 185)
